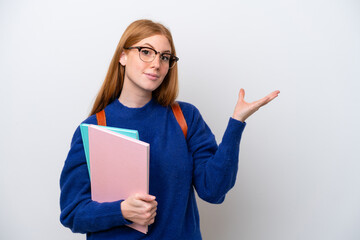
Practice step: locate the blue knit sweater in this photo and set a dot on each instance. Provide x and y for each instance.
(177, 167)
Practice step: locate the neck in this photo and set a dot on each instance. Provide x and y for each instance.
(134, 101)
(133, 96)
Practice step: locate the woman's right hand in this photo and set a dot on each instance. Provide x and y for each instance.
(139, 208)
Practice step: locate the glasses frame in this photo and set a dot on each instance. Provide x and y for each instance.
(173, 59)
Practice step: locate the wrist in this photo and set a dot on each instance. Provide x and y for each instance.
(239, 118)
(123, 208)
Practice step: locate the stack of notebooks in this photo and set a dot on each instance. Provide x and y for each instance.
(118, 164)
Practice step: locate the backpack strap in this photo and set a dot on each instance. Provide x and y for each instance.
(101, 117)
(179, 117)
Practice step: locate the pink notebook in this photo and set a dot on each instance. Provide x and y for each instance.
(119, 167)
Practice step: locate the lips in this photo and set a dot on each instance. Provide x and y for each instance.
(152, 76)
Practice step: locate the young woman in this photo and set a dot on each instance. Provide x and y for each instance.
(140, 86)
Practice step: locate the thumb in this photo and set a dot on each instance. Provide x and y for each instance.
(241, 94)
(145, 197)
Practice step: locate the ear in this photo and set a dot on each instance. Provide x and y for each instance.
(123, 59)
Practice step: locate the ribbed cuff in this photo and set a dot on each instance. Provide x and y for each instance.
(234, 130)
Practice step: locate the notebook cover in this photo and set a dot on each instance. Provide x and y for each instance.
(119, 167)
(85, 137)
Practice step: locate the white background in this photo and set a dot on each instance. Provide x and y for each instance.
(299, 174)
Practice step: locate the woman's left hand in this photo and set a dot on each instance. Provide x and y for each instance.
(243, 109)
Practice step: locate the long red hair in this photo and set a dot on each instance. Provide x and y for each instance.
(111, 88)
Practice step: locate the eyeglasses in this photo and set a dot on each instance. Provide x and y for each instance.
(148, 54)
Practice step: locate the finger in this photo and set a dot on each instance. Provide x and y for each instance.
(273, 96)
(151, 219)
(149, 207)
(261, 102)
(153, 204)
(145, 197)
(265, 100)
(153, 215)
(241, 94)
(132, 201)
(153, 210)
(274, 93)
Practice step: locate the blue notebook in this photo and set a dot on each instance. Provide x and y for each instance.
(84, 128)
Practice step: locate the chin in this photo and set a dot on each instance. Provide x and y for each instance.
(152, 87)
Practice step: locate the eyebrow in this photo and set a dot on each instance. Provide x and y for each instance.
(166, 51)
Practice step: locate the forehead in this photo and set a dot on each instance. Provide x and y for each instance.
(159, 42)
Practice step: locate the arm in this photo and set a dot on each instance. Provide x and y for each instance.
(215, 168)
(78, 211)
(81, 214)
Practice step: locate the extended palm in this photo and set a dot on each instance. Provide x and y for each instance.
(243, 109)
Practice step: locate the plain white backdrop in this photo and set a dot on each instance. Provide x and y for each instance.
(299, 160)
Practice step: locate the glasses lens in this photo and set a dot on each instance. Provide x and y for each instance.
(147, 54)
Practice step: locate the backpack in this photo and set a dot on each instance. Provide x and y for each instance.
(101, 118)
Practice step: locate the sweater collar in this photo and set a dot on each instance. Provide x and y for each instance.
(122, 110)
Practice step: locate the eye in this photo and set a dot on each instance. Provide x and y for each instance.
(145, 52)
(165, 57)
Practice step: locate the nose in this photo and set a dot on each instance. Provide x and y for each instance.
(156, 62)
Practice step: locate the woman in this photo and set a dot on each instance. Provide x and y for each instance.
(140, 85)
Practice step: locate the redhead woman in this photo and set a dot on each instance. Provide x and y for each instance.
(137, 93)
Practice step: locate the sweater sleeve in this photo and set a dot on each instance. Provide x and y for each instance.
(215, 167)
(78, 211)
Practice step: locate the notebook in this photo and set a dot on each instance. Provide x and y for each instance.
(119, 166)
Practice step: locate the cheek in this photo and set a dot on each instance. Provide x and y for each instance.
(135, 64)
(164, 72)
(135, 71)
(163, 78)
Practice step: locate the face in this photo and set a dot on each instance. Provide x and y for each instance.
(144, 77)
